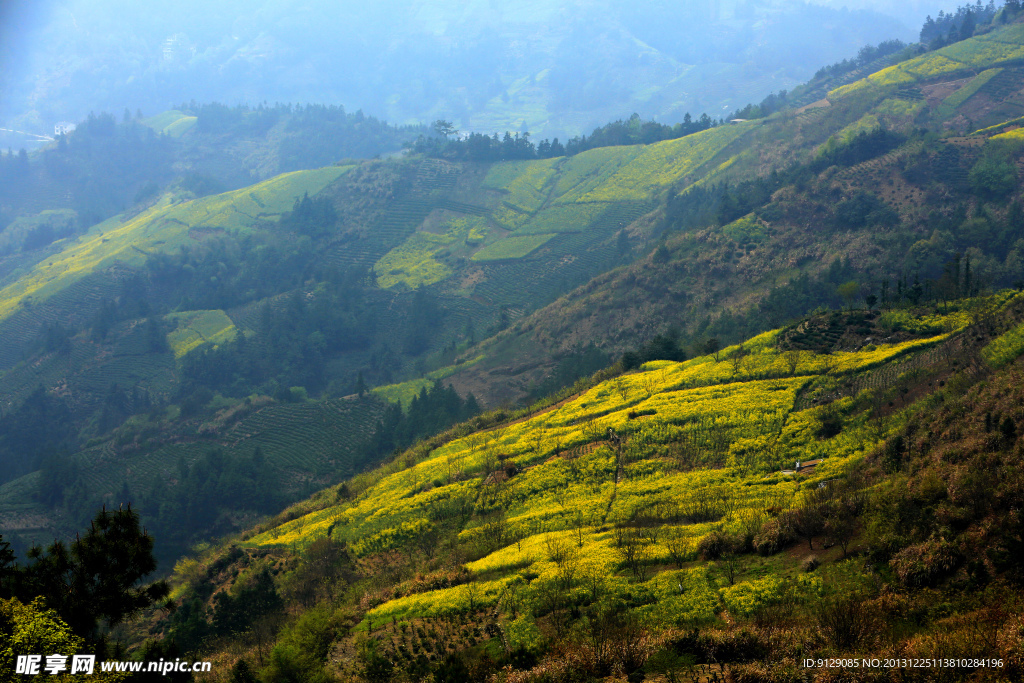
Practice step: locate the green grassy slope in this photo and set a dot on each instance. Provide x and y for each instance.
(538, 200)
(173, 123)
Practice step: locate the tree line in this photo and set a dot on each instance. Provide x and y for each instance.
(445, 142)
(961, 24)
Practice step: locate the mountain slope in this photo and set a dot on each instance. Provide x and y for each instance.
(393, 274)
(110, 323)
(595, 534)
(874, 185)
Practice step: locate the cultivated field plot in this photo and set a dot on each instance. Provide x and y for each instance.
(512, 247)
(196, 328)
(585, 171)
(524, 183)
(950, 104)
(564, 218)
(414, 262)
(659, 166)
(405, 392)
(242, 209)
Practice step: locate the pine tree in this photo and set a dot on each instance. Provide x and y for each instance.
(7, 569)
(97, 577)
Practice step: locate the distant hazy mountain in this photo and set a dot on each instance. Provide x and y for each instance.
(554, 67)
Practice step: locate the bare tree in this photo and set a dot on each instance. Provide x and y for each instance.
(829, 362)
(635, 552)
(711, 347)
(538, 439)
(566, 559)
(729, 563)
(650, 384)
(578, 524)
(792, 358)
(622, 387)
(679, 547)
(840, 528)
(736, 359)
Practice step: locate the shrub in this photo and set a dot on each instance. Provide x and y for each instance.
(844, 621)
(712, 546)
(925, 564)
(773, 537)
(993, 177)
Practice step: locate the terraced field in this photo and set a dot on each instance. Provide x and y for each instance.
(565, 261)
(950, 104)
(404, 392)
(564, 218)
(657, 166)
(71, 306)
(413, 263)
(524, 184)
(586, 171)
(512, 247)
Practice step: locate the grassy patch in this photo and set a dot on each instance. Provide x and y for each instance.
(866, 124)
(1015, 135)
(900, 109)
(585, 171)
(173, 123)
(516, 246)
(662, 164)
(509, 218)
(564, 218)
(965, 93)
(405, 392)
(1005, 348)
(745, 230)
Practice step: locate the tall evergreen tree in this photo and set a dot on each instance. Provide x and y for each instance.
(97, 577)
